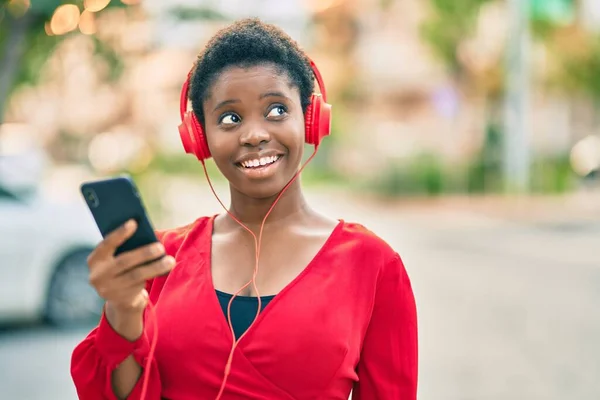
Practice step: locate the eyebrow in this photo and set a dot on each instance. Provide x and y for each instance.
(262, 96)
(226, 102)
(273, 94)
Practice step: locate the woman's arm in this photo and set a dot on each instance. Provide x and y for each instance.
(129, 326)
(107, 364)
(388, 366)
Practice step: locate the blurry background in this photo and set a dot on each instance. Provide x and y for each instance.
(466, 133)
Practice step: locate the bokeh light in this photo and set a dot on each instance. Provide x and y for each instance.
(95, 5)
(87, 22)
(65, 19)
(585, 155)
(112, 151)
(18, 8)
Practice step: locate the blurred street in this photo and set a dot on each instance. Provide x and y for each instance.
(507, 308)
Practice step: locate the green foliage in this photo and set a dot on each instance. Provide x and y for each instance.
(426, 175)
(552, 175)
(45, 7)
(182, 164)
(184, 13)
(484, 172)
(422, 175)
(555, 12)
(108, 55)
(580, 71)
(38, 49)
(35, 47)
(450, 22)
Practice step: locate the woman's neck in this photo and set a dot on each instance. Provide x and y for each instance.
(251, 212)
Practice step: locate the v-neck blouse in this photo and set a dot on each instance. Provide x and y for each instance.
(346, 323)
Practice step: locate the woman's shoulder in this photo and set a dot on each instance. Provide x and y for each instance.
(173, 238)
(358, 238)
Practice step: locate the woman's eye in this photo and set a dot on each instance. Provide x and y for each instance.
(277, 111)
(229, 119)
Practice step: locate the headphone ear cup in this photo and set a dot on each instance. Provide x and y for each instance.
(192, 137)
(308, 123)
(203, 152)
(317, 120)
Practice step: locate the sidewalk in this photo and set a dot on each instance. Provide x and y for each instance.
(576, 208)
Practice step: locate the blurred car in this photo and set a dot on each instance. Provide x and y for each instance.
(43, 260)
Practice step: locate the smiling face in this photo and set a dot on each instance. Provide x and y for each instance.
(254, 125)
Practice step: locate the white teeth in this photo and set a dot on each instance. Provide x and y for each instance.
(261, 162)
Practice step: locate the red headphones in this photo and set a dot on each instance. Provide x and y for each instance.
(317, 120)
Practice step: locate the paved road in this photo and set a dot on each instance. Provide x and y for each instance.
(507, 310)
(34, 363)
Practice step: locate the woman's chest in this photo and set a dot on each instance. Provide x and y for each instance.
(233, 260)
(306, 338)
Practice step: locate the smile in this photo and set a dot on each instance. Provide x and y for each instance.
(262, 162)
(259, 168)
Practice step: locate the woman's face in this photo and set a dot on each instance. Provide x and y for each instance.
(254, 126)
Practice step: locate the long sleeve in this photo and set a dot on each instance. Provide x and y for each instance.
(99, 354)
(388, 365)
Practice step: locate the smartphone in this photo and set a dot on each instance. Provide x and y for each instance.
(113, 202)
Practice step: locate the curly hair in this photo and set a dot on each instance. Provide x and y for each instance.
(246, 43)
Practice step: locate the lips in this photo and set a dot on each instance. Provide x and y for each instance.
(255, 158)
(259, 162)
(260, 168)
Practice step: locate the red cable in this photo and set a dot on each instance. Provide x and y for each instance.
(257, 243)
(151, 351)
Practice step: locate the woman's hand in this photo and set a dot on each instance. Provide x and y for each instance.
(121, 280)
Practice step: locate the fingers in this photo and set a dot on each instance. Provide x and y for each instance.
(121, 289)
(122, 279)
(138, 257)
(139, 275)
(113, 240)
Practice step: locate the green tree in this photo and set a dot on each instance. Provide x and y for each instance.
(573, 53)
(451, 23)
(25, 46)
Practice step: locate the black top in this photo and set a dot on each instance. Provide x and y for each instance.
(243, 310)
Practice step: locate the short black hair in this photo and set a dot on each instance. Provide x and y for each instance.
(247, 43)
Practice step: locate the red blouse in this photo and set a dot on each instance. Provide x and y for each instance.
(347, 323)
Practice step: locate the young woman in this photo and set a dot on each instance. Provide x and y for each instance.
(334, 308)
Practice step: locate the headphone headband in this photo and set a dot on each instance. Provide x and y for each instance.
(320, 82)
(183, 99)
(317, 119)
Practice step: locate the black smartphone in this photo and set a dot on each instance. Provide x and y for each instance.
(113, 202)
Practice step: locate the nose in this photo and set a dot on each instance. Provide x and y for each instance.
(254, 136)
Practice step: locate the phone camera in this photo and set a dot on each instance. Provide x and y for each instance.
(91, 198)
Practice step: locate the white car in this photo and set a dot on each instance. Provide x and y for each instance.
(43, 260)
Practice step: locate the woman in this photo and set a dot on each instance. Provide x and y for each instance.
(337, 313)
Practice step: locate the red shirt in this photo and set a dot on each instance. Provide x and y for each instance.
(346, 323)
